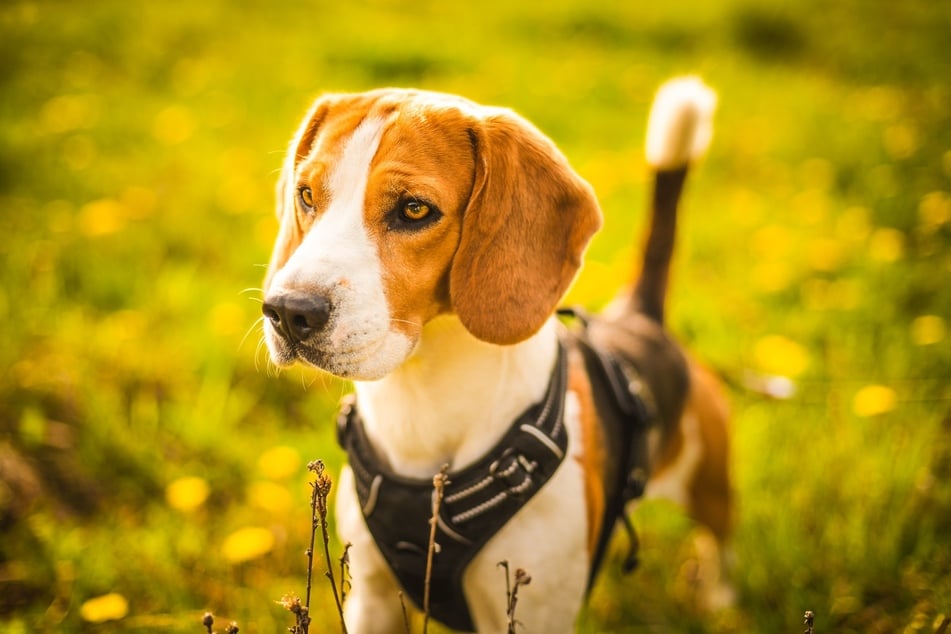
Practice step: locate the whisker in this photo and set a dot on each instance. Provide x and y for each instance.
(257, 354)
(415, 328)
(251, 289)
(262, 351)
(251, 328)
(303, 381)
(318, 376)
(342, 389)
(418, 326)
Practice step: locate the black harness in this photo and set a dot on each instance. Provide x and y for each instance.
(480, 499)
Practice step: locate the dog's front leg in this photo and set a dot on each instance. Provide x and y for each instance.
(373, 602)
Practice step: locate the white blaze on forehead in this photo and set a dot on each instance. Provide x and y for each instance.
(348, 180)
(338, 244)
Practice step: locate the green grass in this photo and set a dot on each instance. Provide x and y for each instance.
(139, 145)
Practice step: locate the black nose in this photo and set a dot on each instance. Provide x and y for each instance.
(297, 316)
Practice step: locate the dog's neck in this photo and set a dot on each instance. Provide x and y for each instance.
(452, 400)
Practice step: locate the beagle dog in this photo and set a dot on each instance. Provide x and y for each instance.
(424, 244)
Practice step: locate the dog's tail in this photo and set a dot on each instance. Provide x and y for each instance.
(678, 132)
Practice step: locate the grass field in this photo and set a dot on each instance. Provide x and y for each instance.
(152, 467)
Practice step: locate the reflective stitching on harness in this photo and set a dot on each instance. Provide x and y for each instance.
(523, 487)
(520, 488)
(475, 488)
(480, 509)
(448, 531)
(543, 439)
(527, 464)
(507, 472)
(373, 495)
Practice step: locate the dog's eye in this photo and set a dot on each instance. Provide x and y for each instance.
(412, 214)
(306, 197)
(414, 210)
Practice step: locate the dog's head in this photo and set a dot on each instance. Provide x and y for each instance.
(396, 206)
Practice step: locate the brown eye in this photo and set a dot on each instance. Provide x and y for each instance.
(413, 214)
(415, 210)
(306, 198)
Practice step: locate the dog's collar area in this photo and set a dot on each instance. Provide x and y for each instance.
(477, 501)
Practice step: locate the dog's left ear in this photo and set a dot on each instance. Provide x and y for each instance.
(524, 232)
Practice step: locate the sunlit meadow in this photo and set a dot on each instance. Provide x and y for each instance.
(153, 464)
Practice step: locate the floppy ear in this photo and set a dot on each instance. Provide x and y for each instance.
(290, 234)
(524, 232)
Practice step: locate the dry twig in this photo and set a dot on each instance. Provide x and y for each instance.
(345, 584)
(440, 480)
(405, 613)
(808, 619)
(522, 578)
(208, 620)
(301, 613)
(321, 491)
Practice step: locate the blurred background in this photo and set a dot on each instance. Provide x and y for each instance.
(152, 464)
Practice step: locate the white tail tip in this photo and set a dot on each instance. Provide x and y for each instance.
(681, 123)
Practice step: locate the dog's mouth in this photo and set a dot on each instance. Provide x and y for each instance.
(356, 355)
(285, 353)
(334, 332)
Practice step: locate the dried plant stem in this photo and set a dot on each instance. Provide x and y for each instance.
(522, 578)
(321, 491)
(345, 572)
(405, 614)
(313, 539)
(209, 619)
(292, 604)
(439, 484)
(808, 619)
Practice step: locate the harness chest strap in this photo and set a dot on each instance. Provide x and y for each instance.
(477, 501)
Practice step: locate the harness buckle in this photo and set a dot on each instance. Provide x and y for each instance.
(514, 471)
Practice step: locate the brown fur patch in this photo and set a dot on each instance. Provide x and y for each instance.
(524, 234)
(709, 490)
(425, 154)
(592, 459)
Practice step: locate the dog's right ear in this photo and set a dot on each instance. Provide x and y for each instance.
(290, 233)
(524, 232)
